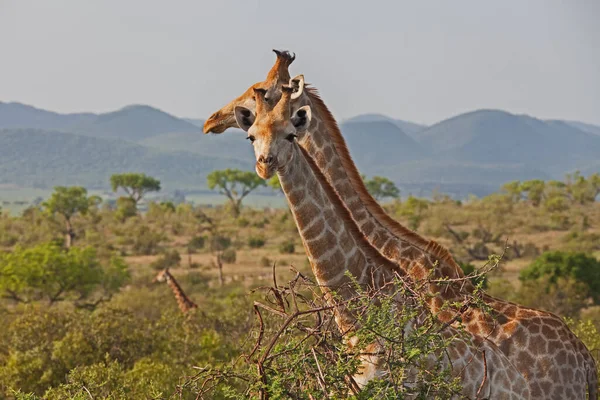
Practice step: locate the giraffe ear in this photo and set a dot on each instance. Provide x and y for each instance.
(301, 118)
(244, 117)
(297, 84)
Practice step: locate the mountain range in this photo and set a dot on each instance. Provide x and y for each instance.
(474, 152)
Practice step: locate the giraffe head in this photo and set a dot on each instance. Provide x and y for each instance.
(162, 276)
(277, 76)
(273, 129)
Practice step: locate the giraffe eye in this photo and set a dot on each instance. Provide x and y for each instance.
(251, 138)
(290, 137)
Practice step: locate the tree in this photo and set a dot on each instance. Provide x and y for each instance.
(69, 201)
(513, 189)
(48, 272)
(381, 187)
(135, 185)
(234, 184)
(582, 190)
(413, 209)
(555, 265)
(535, 191)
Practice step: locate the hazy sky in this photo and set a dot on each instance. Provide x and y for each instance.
(416, 60)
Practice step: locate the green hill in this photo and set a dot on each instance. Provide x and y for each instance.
(37, 158)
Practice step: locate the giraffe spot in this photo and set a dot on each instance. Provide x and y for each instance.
(524, 360)
(510, 311)
(537, 345)
(510, 327)
(367, 228)
(535, 329)
(319, 247)
(314, 231)
(328, 152)
(318, 139)
(560, 357)
(536, 390)
(521, 341)
(525, 313)
(549, 333)
(296, 196)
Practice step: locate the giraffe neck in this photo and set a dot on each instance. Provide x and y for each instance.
(325, 144)
(184, 302)
(333, 243)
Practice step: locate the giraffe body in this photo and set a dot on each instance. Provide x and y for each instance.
(184, 303)
(335, 248)
(553, 360)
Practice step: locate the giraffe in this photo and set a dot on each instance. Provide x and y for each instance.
(554, 361)
(336, 247)
(185, 303)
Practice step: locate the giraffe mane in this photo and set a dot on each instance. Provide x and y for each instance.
(370, 203)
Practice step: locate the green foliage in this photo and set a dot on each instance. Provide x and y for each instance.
(134, 184)
(68, 201)
(534, 190)
(126, 208)
(583, 190)
(291, 361)
(49, 272)
(168, 259)
(234, 184)
(229, 256)
(256, 242)
(414, 210)
(558, 264)
(476, 278)
(287, 247)
(380, 187)
(196, 243)
(146, 241)
(586, 242)
(565, 296)
(219, 243)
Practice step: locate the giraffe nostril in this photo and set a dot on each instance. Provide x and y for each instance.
(270, 160)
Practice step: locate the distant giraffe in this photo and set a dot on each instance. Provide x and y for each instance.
(184, 302)
(553, 360)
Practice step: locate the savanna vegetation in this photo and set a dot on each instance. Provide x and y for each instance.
(82, 319)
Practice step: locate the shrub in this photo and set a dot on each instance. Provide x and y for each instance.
(243, 222)
(287, 247)
(219, 243)
(169, 259)
(196, 243)
(229, 256)
(146, 241)
(558, 264)
(126, 208)
(256, 242)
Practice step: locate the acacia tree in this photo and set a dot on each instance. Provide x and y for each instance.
(134, 184)
(48, 272)
(68, 202)
(235, 185)
(381, 187)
